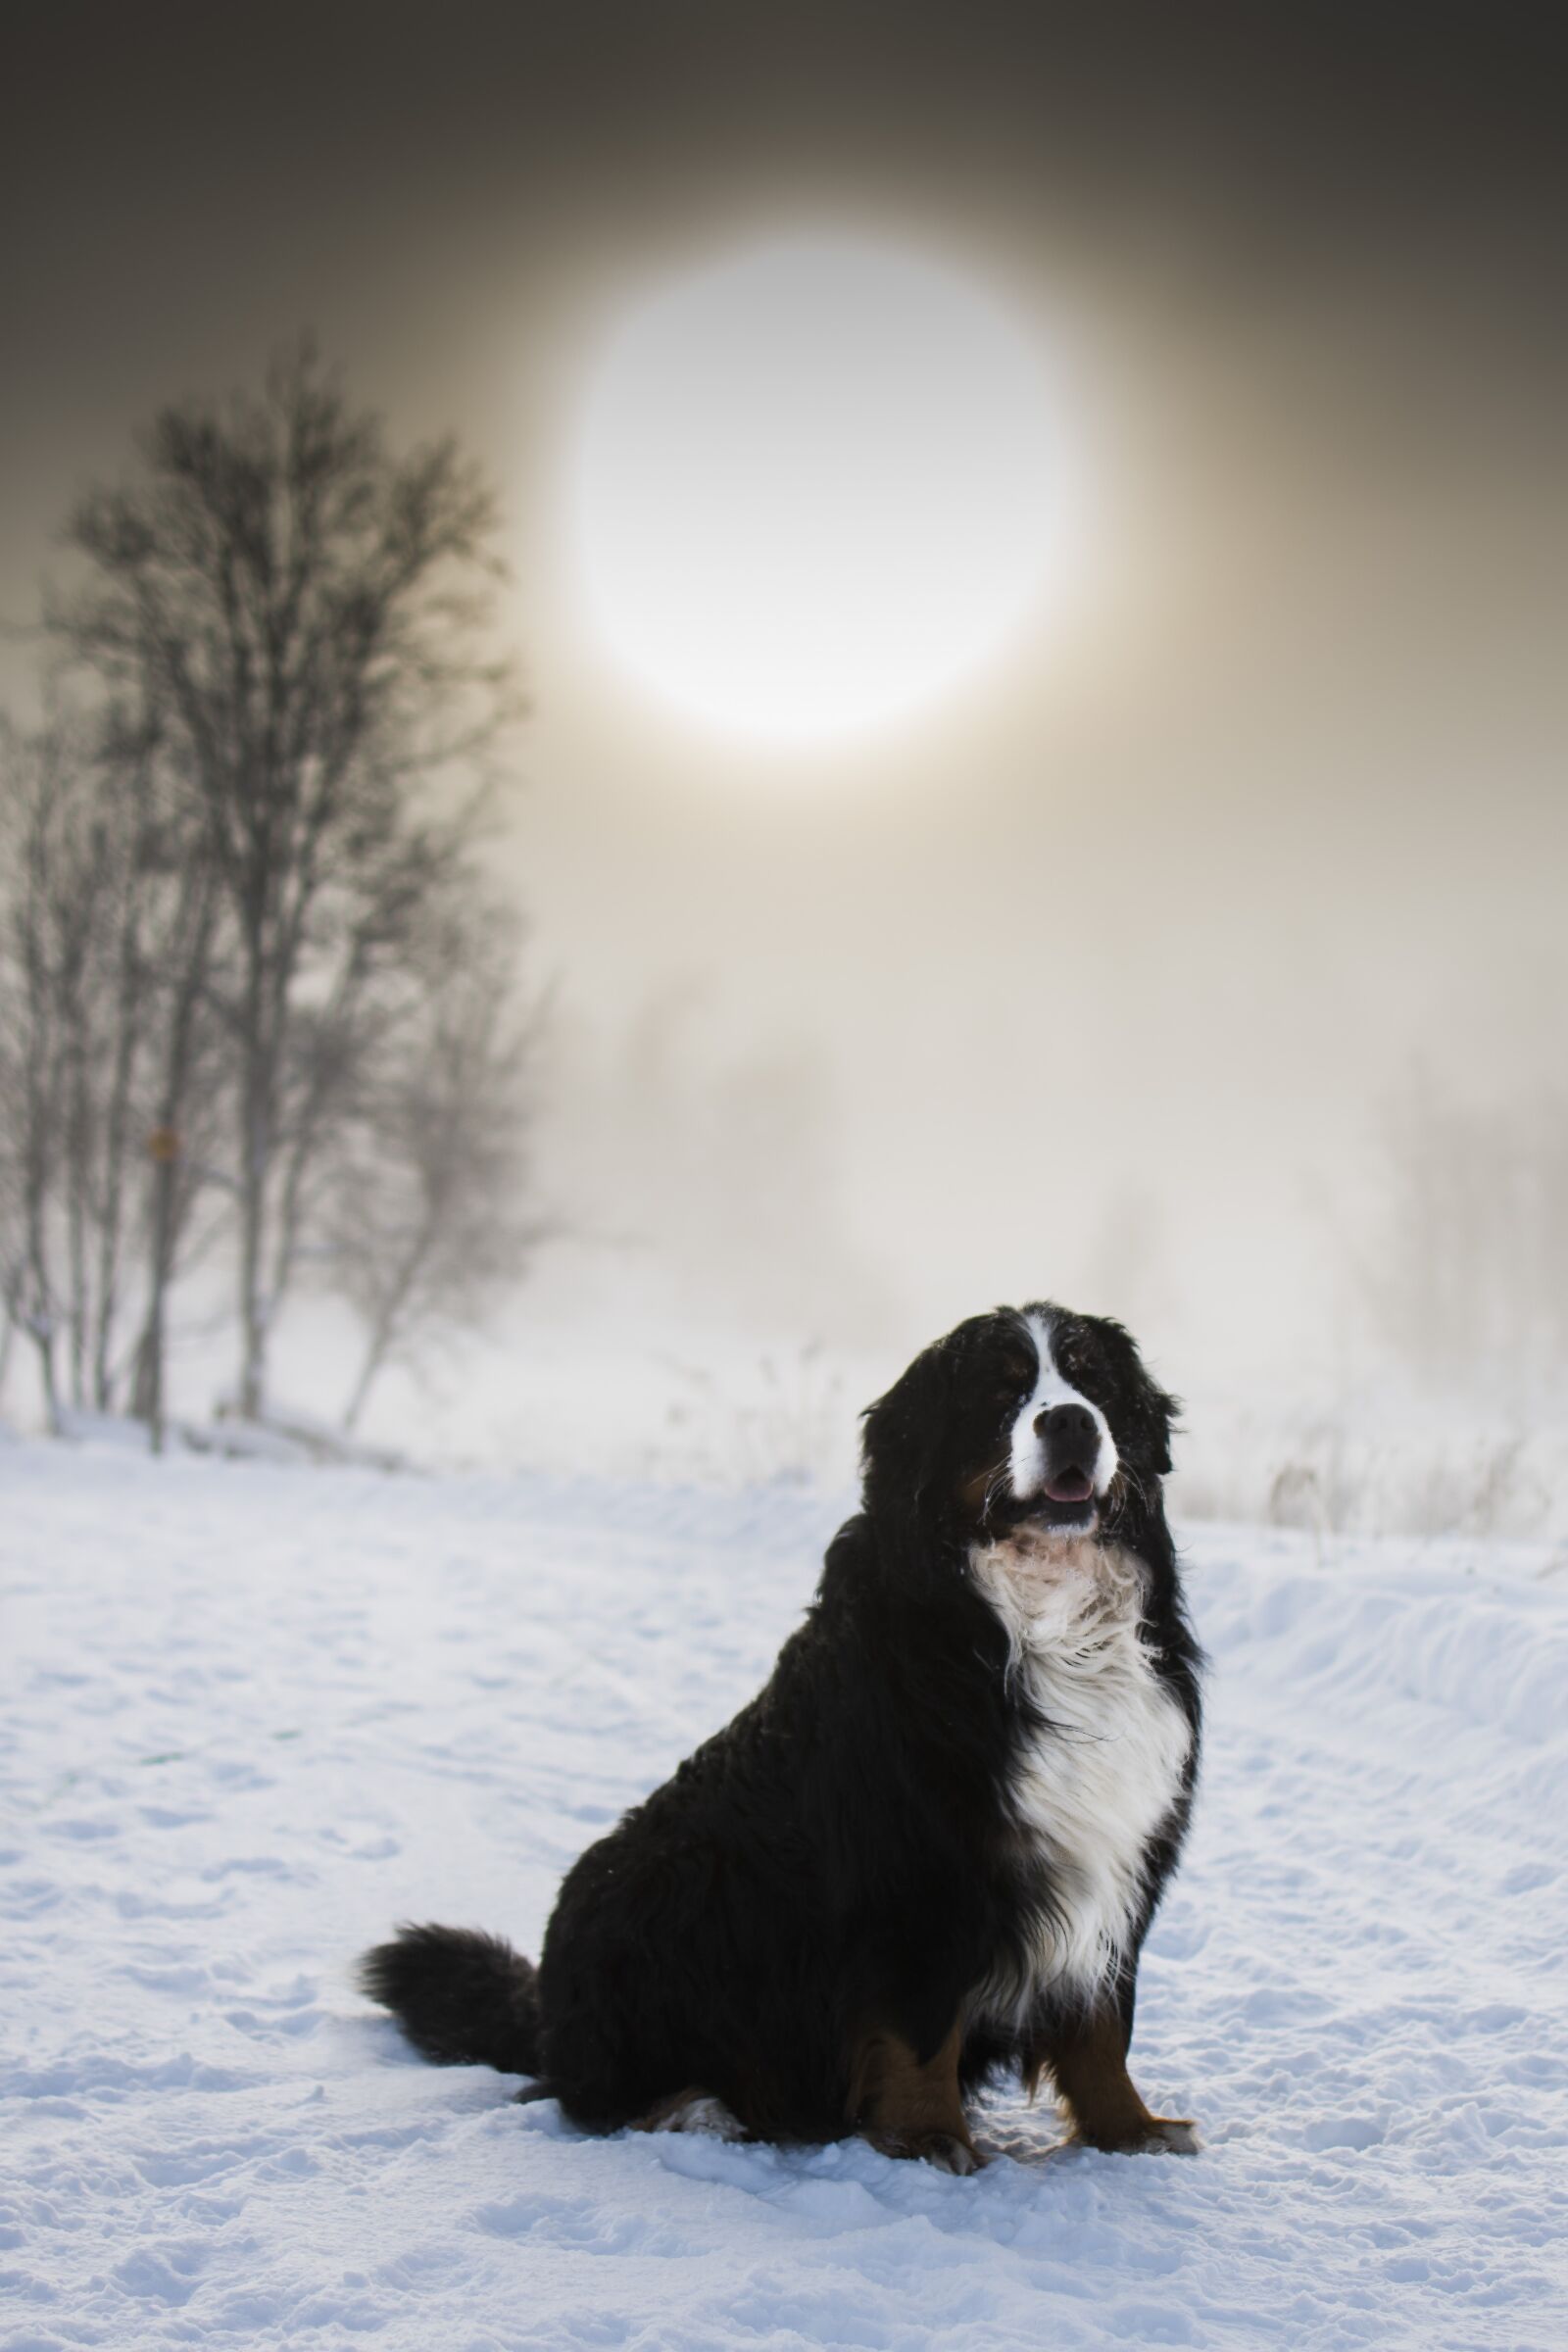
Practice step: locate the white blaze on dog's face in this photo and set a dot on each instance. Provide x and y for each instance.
(1029, 1414)
(1062, 1450)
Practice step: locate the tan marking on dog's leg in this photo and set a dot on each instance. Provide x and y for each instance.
(1090, 2064)
(907, 2106)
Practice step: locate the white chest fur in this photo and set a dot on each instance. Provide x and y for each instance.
(1096, 1783)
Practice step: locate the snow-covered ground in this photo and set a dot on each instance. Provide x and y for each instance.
(253, 1715)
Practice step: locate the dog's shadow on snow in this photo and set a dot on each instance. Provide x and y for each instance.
(1031, 2138)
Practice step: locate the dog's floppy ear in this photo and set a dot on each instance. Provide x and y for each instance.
(1144, 1408)
(904, 1438)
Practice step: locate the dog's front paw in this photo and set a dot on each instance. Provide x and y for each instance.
(1153, 2135)
(1177, 2133)
(945, 2149)
(949, 2153)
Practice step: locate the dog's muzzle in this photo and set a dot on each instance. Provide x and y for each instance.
(1070, 1438)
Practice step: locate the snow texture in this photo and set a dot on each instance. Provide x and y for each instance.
(254, 1715)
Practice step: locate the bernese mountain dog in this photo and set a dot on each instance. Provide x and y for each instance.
(926, 1856)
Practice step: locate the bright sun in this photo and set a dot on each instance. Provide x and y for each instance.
(818, 484)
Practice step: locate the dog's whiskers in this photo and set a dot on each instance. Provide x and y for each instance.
(996, 1487)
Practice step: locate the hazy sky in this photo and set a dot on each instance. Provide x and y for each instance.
(1091, 979)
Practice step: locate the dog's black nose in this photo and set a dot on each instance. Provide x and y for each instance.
(1071, 1435)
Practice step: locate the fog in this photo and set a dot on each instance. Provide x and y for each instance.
(1107, 976)
(1116, 975)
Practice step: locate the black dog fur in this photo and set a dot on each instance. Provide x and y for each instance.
(796, 1923)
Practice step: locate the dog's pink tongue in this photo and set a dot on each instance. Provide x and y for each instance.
(1070, 1486)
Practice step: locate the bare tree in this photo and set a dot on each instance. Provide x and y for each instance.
(187, 1080)
(55, 855)
(100, 993)
(1471, 1267)
(430, 1222)
(306, 613)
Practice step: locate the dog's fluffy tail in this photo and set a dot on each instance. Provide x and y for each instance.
(461, 1997)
